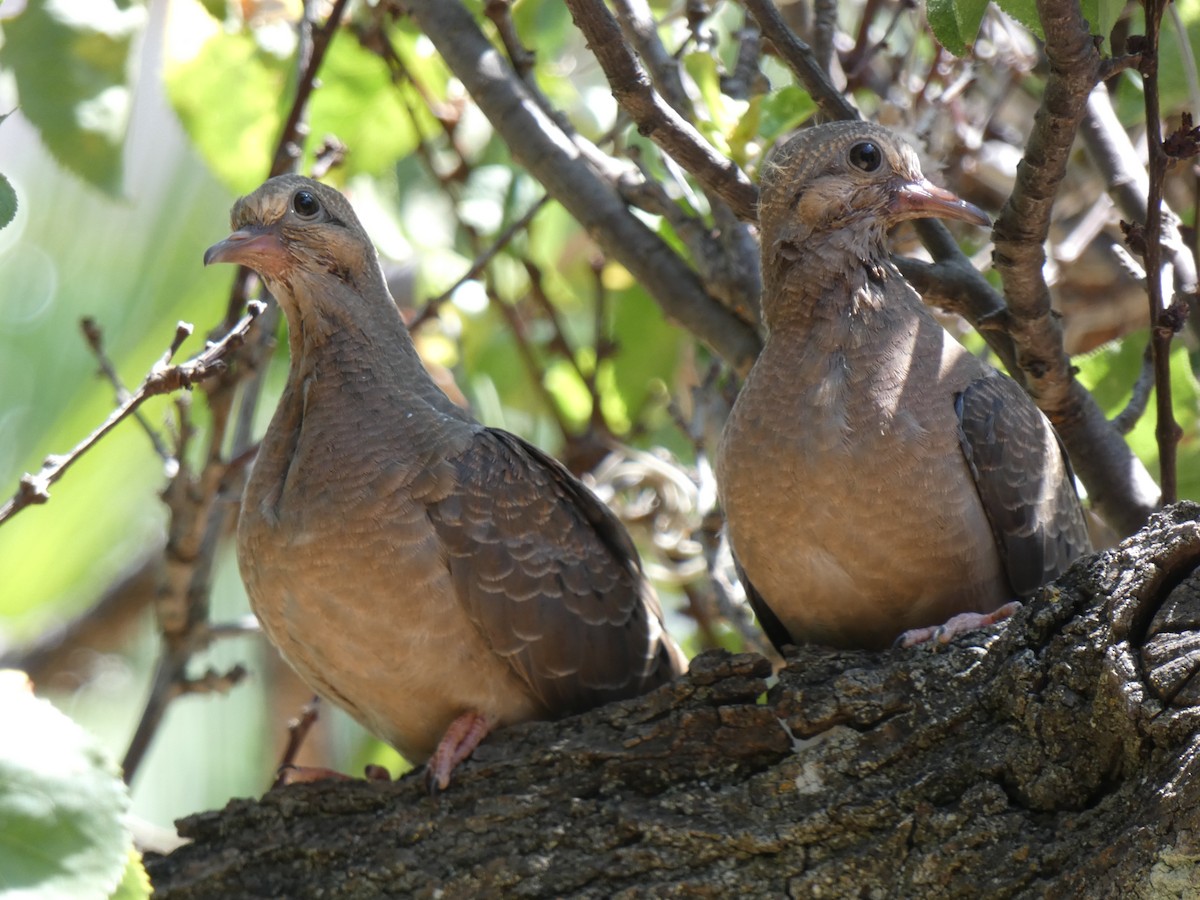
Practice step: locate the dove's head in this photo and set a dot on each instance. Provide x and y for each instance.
(852, 176)
(293, 229)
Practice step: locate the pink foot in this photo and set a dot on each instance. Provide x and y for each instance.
(956, 625)
(459, 742)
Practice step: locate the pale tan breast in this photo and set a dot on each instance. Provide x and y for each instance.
(847, 498)
(345, 573)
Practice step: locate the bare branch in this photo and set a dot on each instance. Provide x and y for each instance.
(654, 117)
(162, 379)
(1140, 398)
(62, 654)
(538, 143)
(500, 12)
(638, 25)
(429, 310)
(203, 507)
(1125, 174)
(801, 59)
(313, 44)
(1167, 430)
(298, 729)
(1024, 222)
(95, 339)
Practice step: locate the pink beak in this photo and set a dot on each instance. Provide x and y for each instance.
(925, 200)
(246, 246)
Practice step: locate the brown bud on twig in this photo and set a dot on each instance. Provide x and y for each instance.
(1184, 141)
(1135, 237)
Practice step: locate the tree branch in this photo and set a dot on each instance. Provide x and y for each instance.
(1053, 756)
(1167, 430)
(654, 117)
(801, 59)
(546, 152)
(1024, 222)
(162, 379)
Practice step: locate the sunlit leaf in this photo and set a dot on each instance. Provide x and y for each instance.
(1109, 373)
(569, 391)
(135, 883)
(230, 98)
(357, 103)
(784, 110)
(1025, 12)
(62, 803)
(955, 22)
(702, 68)
(69, 60)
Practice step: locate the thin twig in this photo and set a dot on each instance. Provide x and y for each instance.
(1143, 387)
(521, 57)
(639, 27)
(298, 729)
(538, 143)
(313, 44)
(655, 118)
(95, 338)
(516, 327)
(1167, 430)
(162, 379)
(801, 59)
(481, 261)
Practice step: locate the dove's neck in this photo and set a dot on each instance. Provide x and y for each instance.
(354, 334)
(836, 290)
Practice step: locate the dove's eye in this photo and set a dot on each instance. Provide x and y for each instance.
(866, 155)
(305, 204)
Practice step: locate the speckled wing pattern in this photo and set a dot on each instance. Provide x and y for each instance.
(549, 576)
(1024, 480)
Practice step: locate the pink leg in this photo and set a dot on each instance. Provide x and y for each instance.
(459, 742)
(956, 625)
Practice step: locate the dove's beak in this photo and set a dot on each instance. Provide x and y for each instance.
(246, 246)
(922, 199)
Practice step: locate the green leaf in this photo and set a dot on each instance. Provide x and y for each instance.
(135, 884)
(69, 60)
(648, 348)
(62, 803)
(357, 102)
(955, 22)
(230, 98)
(702, 67)
(8, 201)
(1102, 15)
(784, 110)
(1109, 373)
(1025, 12)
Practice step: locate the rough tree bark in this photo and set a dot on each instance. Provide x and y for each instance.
(1057, 755)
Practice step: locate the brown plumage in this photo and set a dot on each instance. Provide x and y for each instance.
(431, 576)
(875, 476)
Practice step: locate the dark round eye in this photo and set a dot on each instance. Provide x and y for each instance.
(866, 155)
(305, 204)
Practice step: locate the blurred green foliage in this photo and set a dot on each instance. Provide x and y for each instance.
(62, 805)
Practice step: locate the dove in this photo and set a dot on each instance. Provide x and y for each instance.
(877, 479)
(434, 577)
